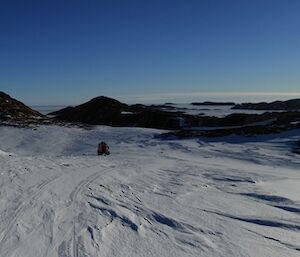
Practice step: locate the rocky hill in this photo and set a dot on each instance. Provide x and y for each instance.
(107, 111)
(12, 110)
(293, 104)
(101, 109)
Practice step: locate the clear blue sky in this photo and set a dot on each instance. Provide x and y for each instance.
(67, 51)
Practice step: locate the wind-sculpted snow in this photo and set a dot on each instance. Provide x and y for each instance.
(150, 197)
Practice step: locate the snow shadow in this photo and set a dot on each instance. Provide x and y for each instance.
(113, 215)
(288, 208)
(260, 221)
(236, 139)
(230, 179)
(269, 198)
(167, 221)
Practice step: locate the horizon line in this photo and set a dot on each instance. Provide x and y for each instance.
(178, 95)
(185, 97)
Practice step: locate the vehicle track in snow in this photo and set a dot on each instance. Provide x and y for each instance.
(83, 184)
(24, 205)
(32, 194)
(72, 233)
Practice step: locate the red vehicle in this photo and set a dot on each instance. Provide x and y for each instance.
(103, 149)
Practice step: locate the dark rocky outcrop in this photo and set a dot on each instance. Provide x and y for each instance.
(293, 104)
(241, 119)
(12, 110)
(248, 125)
(107, 111)
(99, 110)
(248, 131)
(208, 103)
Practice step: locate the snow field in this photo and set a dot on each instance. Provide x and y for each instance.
(151, 197)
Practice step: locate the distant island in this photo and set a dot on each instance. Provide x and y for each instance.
(289, 105)
(207, 103)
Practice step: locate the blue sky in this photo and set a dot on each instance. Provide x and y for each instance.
(67, 51)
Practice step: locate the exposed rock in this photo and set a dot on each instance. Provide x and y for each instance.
(267, 123)
(293, 104)
(208, 103)
(107, 111)
(12, 110)
(241, 119)
(99, 110)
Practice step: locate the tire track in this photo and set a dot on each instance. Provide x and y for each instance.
(79, 188)
(71, 233)
(23, 206)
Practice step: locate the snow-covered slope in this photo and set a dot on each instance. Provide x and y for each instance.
(149, 198)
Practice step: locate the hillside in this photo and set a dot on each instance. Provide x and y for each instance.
(108, 111)
(13, 110)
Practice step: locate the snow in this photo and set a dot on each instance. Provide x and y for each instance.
(2, 153)
(229, 196)
(126, 113)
